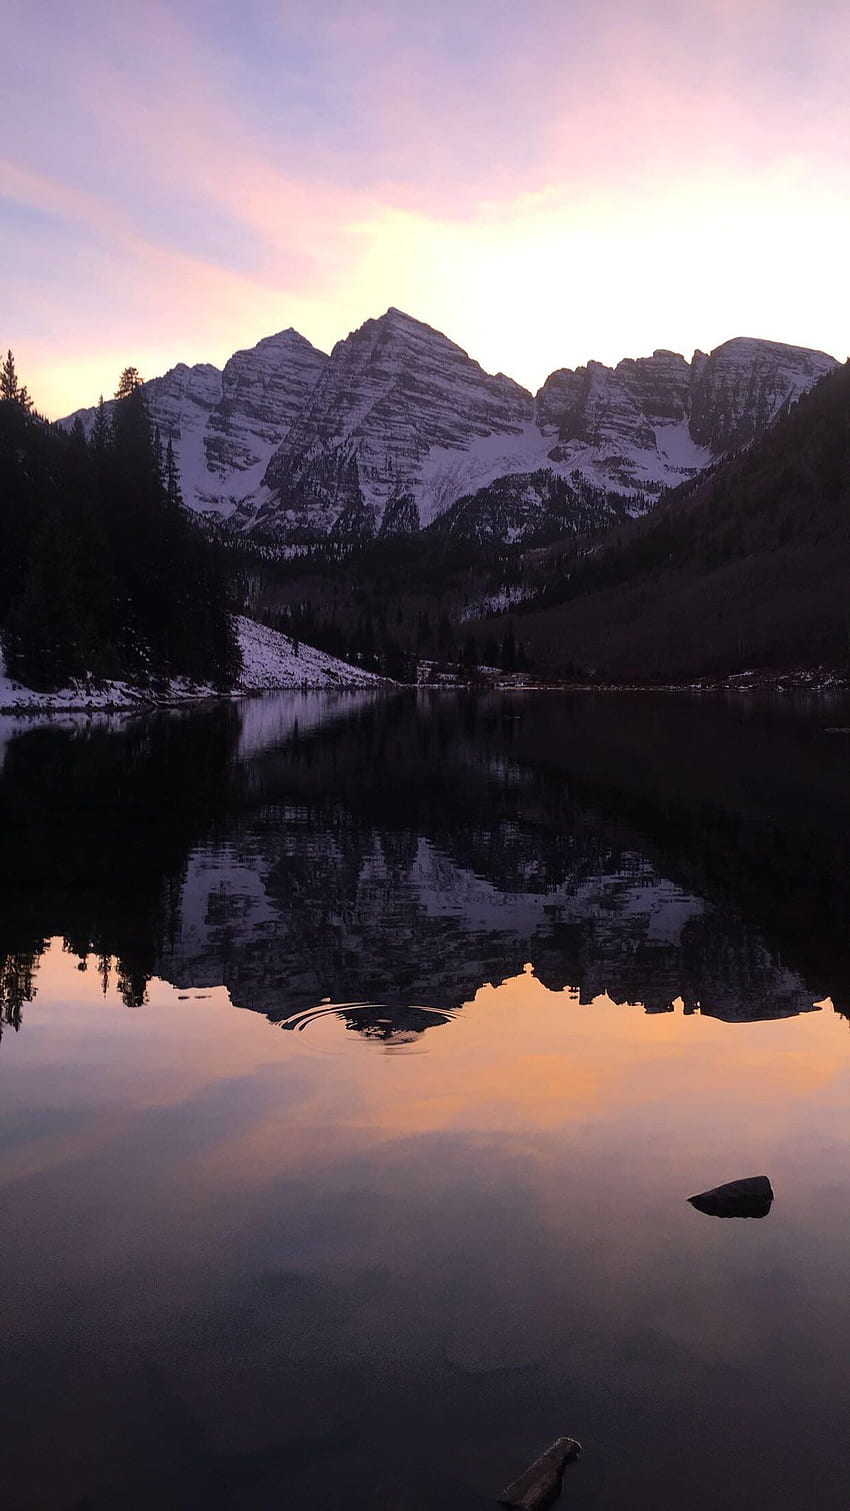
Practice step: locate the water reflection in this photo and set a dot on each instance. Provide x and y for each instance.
(404, 850)
(316, 1268)
(519, 975)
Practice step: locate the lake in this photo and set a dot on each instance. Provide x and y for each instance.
(359, 1056)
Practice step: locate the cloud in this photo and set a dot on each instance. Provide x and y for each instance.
(183, 178)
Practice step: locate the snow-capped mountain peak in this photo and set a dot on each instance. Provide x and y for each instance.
(400, 429)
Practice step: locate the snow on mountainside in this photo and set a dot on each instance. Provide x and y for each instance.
(403, 424)
(269, 661)
(399, 429)
(225, 426)
(397, 409)
(615, 437)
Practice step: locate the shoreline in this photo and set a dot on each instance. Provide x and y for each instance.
(815, 682)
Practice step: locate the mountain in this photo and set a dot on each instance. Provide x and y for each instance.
(400, 430)
(748, 566)
(617, 436)
(404, 431)
(399, 424)
(225, 425)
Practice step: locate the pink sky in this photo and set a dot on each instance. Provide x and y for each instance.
(544, 183)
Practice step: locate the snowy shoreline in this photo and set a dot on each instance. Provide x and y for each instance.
(271, 663)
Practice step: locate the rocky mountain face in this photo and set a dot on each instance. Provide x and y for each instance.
(745, 567)
(739, 389)
(405, 431)
(226, 425)
(399, 429)
(397, 426)
(617, 436)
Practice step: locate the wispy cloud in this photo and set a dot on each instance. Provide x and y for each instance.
(546, 184)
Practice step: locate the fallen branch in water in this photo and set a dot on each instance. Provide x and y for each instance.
(540, 1485)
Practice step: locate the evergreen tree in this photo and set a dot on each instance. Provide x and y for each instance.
(50, 635)
(101, 435)
(172, 479)
(158, 455)
(8, 378)
(128, 382)
(103, 572)
(10, 387)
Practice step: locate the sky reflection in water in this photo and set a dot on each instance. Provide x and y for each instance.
(374, 1262)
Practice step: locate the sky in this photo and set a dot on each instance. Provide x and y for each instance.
(545, 183)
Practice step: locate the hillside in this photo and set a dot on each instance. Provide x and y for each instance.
(747, 566)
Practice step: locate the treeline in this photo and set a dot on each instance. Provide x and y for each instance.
(392, 645)
(391, 604)
(103, 573)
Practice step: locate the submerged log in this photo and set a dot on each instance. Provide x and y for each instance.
(540, 1485)
(752, 1197)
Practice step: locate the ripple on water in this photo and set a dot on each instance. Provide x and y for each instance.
(369, 1023)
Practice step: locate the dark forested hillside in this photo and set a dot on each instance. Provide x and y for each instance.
(102, 571)
(747, 567)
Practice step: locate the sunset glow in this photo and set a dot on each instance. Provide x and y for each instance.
(545, 186)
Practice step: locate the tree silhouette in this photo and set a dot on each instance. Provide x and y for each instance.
(128, 382)
(10, 386)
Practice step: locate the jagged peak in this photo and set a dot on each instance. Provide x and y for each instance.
(396, 324)
(186, 367)
(394, 313)
(394, 319)
(285, 338)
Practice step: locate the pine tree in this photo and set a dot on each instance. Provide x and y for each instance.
(159, 459)
(10, 387)
(172, 479)
(103, 571)
(101, 434)
(8, 378)
(128, 382)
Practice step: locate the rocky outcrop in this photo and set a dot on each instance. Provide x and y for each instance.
(739, 389)
(531, 506)
(750, 1197)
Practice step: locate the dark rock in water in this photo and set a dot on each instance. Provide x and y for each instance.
(540, 1485)
(752, 1197)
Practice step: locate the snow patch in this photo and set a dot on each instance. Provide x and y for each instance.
(271, 661)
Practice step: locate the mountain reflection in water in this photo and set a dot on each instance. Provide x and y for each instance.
(522, 974)
(404, 850)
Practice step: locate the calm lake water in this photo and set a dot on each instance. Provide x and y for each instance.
(359, 1057)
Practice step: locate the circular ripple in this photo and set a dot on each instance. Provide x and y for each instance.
(369, 1023)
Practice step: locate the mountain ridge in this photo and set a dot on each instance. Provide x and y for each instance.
(399, 425)
(746, 566)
